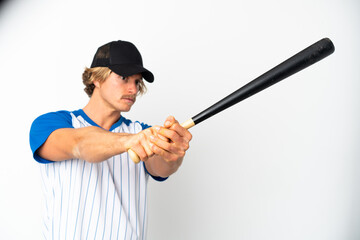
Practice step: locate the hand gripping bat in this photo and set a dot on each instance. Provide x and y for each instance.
(294, 64)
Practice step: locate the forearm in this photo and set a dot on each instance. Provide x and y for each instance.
(91, 144)
(94, 144)
(157, 166)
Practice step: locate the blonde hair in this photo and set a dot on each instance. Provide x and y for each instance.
(101, 74)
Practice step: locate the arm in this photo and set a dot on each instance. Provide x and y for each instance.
(93, 144)
(169, 143)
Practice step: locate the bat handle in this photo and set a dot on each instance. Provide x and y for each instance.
(188, 124)
(135, 158)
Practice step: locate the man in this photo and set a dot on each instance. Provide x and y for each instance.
(92, 188)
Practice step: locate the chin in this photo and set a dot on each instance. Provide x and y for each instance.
(125, 109)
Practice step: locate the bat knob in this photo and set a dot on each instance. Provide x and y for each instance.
(134, 157)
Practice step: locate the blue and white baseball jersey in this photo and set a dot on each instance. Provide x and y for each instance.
(106, 200)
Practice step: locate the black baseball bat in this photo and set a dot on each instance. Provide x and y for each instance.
(294, 64)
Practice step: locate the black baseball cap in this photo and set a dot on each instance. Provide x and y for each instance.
(123, 58)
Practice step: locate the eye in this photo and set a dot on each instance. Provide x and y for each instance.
(124, 78)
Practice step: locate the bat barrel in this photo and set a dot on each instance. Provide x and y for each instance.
(294, 64)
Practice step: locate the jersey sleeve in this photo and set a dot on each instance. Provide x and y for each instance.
(43, 126)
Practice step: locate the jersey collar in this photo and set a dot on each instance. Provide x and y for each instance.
(89, 120)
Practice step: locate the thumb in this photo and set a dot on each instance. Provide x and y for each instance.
(169, 121)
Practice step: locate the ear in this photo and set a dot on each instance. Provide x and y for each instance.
(96, 83)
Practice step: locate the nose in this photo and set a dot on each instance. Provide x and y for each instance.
(132, 87)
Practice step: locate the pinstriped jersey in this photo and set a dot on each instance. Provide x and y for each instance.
(106, 200)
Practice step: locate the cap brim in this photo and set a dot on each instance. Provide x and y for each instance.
(127, 70)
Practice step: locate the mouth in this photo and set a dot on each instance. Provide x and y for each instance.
(129, 99)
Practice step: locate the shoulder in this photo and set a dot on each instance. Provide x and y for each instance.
(44, 125)
(54, 116)
(53, 120)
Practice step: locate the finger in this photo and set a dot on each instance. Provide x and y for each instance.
(183, 132)
(176, 148)
(170, 120)
(143, 146)
(167, 156)
(140, 152)
(157, 128)
(173, 124)
(147, 149)
(161, 144)
(170, 134)
(145, 143)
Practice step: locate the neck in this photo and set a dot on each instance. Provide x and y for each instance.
(102, 115)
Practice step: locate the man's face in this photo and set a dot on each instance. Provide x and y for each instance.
(120, 93)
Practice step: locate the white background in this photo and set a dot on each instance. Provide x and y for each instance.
(281, 165)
